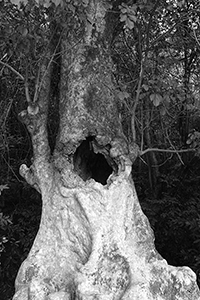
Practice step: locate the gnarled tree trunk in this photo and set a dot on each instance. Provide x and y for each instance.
(94, 242)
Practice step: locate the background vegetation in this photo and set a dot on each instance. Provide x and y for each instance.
(156, 53)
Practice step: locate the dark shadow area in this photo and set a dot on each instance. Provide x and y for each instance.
(88, 164)
(53, 107)
(20, 214)
(20, 205)
(173, 211)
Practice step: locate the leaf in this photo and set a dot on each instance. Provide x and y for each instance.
(3, 187)
(123, 17)
(190, 107)
(22, 30)
(45, 3)
(123, 95)
(180, 4)
(145, 87)
(134, 8)
(152, 81)
(132, 18)
(130, 24)
(163, 110)
(180, 97)
(166, 98)
(143, 95)
(156, 99)
(18, 2)
(85, 2)
(126, 95)
(57, 2)
(124, 10)
(72, 8)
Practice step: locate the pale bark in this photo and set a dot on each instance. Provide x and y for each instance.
(94, 242)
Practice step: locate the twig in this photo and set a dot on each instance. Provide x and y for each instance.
(11, 169)
(166, 150)
(39, 86)
(12, 69)
(136, 101)
(28, 99)
(179, 157)
(195, 36)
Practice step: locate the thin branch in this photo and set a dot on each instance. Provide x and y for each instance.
(37, 86)
(138, 88)
(179, 157)
(7, 112)
(11, 169)
(12, 69)
(136, 101)
(28, 99)
(196, 39)
(164, 162)
(166, 150)
(142, 64)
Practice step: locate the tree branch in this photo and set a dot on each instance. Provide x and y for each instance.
(40, 136)
(166, 150)
(35, 118)
(136, 101)
(29, 176)
(12, 69)
(179, 157)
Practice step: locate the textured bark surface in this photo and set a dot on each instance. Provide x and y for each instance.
(94, 242)
(88, 101)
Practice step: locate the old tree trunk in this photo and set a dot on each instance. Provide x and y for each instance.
(94, 242)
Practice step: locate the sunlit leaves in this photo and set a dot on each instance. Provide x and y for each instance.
(194, 140)
(18, 2)
(156, 99)
(57, 2)
(128, 15)
(145, 87)
(3, 187)
(46, 3)
(175, 4)
(4, 221)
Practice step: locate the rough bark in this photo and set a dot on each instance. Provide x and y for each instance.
(94, 242)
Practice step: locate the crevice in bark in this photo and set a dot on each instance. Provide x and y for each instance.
(88, 164)
(54, 93)
(53, 107)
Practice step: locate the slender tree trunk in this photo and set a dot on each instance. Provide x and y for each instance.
(151, 156)
(188, 60)
(94, 242)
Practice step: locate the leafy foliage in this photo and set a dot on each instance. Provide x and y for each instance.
(3, 187)
(156, 54)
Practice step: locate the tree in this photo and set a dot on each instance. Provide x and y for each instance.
(94, 242)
